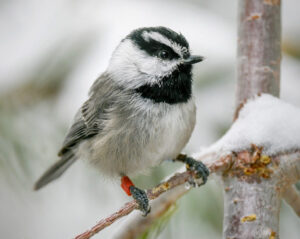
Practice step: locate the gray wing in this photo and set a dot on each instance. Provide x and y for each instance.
(80, 130)
(88, 122)
(86, 125)
(89, 119)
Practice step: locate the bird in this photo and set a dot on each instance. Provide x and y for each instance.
(140, 111)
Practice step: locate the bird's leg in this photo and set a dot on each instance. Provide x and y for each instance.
(192, 164)
(139, 195)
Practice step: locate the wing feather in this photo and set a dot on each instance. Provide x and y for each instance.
(89, 119)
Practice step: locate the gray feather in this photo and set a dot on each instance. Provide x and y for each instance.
(90, 118)
(55, 170)
(77, 133)
(88, 122)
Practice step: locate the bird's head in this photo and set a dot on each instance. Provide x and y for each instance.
(152, 56)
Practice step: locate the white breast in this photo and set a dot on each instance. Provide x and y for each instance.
(170, 134)
(143, 138)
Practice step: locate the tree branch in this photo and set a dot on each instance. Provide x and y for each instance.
(259, 51)
(139, 224)
(212, 163)
(252, 192)
(268, 176)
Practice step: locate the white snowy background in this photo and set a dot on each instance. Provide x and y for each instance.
(66, 44)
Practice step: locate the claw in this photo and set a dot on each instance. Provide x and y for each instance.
(141, 198)
(201, 171)
(197, 166)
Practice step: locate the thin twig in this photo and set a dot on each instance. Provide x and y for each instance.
(176, 180)
(139, 224)
(125, 210)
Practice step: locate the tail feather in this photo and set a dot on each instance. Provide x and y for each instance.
(55, 170)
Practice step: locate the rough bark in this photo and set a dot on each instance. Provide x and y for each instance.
(252, 202)
(252, 210)
(253, 188)
(259, 53)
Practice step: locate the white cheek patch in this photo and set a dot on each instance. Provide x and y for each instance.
(132, 67)
(155, 66)
(160, 38)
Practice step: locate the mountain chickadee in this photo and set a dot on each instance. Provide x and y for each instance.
(140, 111)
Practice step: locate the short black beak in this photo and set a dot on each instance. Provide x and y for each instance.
(193, 59)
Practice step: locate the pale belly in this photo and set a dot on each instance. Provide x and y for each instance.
(175, 131)
(132, 147)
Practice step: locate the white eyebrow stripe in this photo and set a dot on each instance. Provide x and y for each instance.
(160, 38)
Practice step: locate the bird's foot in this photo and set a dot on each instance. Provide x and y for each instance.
(139, 195)
(197, 166)
(141, 198)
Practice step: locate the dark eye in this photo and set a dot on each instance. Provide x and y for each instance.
(163, 54)
(186, 55)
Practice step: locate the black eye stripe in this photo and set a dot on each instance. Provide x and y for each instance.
(151, 46)
(155, 46)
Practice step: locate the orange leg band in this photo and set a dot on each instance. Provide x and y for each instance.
(126, 183)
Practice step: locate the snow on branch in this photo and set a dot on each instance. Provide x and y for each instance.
(265, 143)
(267, 122)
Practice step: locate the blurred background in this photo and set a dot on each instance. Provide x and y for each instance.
(52, 51)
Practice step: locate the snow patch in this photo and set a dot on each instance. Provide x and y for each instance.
(264, 121)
